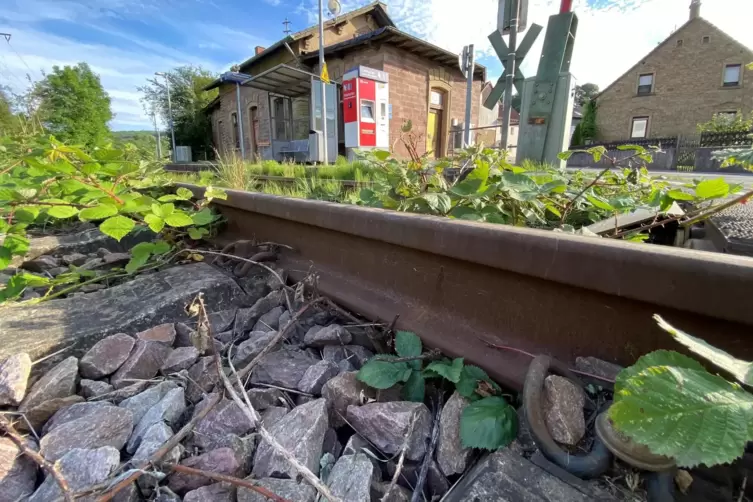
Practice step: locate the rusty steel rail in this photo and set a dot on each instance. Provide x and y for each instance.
(457, 283)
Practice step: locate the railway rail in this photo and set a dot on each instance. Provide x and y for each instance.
(464, 285)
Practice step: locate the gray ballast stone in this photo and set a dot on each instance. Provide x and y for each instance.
(351, 478)
(106, 356)
(386, 424)
(18, 473)
(289, 489)
(82, 469)
(14, 375)
(59, 382)
(131, 307)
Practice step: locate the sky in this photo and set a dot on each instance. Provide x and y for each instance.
(126, 41)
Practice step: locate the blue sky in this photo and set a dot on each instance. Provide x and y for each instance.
(126, 41)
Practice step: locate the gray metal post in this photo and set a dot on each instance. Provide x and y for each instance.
(170, 112)
(468, 97)
(159, 139)
(507, 102)
(321, 83)
(240, 119)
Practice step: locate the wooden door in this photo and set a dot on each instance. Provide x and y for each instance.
(433, 133)
(253, 117)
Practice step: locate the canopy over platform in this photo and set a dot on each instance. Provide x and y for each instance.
(282, 79)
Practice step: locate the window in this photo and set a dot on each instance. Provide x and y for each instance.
(705, 40)
(728, 117)
(645, 84)
(367, 111)
(732, 75)
(436, 98)
(281, 116)
(639, 128)
(679, 43)
(236, 135)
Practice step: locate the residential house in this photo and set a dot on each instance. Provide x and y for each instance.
(425, 85)
(697, 72)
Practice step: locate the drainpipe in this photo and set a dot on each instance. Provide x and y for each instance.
(240, 119)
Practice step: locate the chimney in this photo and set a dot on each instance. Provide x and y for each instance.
(695, 9)
(258, 49)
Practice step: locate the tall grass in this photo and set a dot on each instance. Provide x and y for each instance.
(233, 173)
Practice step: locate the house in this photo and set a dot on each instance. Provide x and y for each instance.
(425, 85)
(695, 73)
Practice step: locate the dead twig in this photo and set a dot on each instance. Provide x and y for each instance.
(51, 355)
(162, 451)
(419, 490)
(742, 489)
(401, 460)
(42, 462)
(432, 354)
(252, 415)
(229, 479)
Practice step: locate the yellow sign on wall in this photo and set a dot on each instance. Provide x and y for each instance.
(325, 74)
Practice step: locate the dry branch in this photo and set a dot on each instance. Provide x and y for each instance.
(42, 462)
(401, 460)
(419, 489)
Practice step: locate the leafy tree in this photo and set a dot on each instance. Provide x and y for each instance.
(722, 123)
(192, 125)
(587, 124)
(6, 114)
(143, 144)
(585, 93)
(73, 106)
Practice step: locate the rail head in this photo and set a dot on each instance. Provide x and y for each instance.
(704, 283)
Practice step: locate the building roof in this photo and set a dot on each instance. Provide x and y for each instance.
(666, 40)
(404, 41)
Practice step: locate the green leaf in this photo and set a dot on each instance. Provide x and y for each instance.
(117, 227)
(184, 193)
(27, 214)
(203, 217)
(600, 203)
(136, 262)
(414, 388)
(142, 248)
(741, 370)
(449, 371)
(197, 233)
(215, 193)
(636, 148)
(14, 288)
(439, 202)
(565, 155)
(99, 212)
(156, 224)
(712, 189)
(680, 195)
(16, 244)
(655, 358)
(178, 219)
(597, 152)
(407, 344)
(165, 210)
(62, 212)
(557, 186)
(479, 174)
(383, 374)
(683, 412)
(5, 257)
(489, 423)
(466, 213)
(161, 247)
(552, 209)
(469, 378)
(381, 154)
(169, 198)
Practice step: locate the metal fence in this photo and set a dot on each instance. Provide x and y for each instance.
(665, 142)
(726, 138)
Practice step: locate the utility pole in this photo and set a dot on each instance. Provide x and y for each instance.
(169, 111)
(322, 83)
(468, 64)
(159, 139)
(240, 119)
(287, 30)
(510, 68)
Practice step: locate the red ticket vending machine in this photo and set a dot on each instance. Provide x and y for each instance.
(365, 109)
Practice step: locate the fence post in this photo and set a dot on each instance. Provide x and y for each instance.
(673, 161)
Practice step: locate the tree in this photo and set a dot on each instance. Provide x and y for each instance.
(73, 106)
(586, 130)
(192, 125)
(585, 93)
(142, 144)
(726, 122)
(6, 114)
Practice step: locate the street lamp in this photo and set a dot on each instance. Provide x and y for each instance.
(169, 109)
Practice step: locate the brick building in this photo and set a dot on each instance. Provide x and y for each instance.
(425, 85)
(695, 73)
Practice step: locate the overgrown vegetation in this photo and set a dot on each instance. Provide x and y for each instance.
(489, 422)
(586, 131)
(43, 180)
(723, 122)
(672, 404)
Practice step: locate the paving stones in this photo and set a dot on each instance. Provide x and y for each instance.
(164, 334)
(18, 473)
(317, 375)
(220, 461)
(563, 409)
(341, 392)
(301, 432)
(334, 334)
(106, 356)
(284, 367)
(60, 381)
(289, 489)
(225, 418)
(145, 360)
(82, 469)
(179, 359)
(351, 478)
(14, 375)
(450, 454)
(108, 426)
(386, 424)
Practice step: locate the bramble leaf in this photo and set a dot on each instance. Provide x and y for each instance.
(178, 219)
(16, 244)
(450, 371)
(414, 388)
(5, 257)
(489, 423)
(117, 227)
(183, 193)
(99, 212)
(62, 212)
(682, 411)
(203, 217)
(383, 374)
(712, 189)
(156, 224)
(408, 344)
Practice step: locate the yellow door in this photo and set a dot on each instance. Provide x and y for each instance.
(431, 132)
